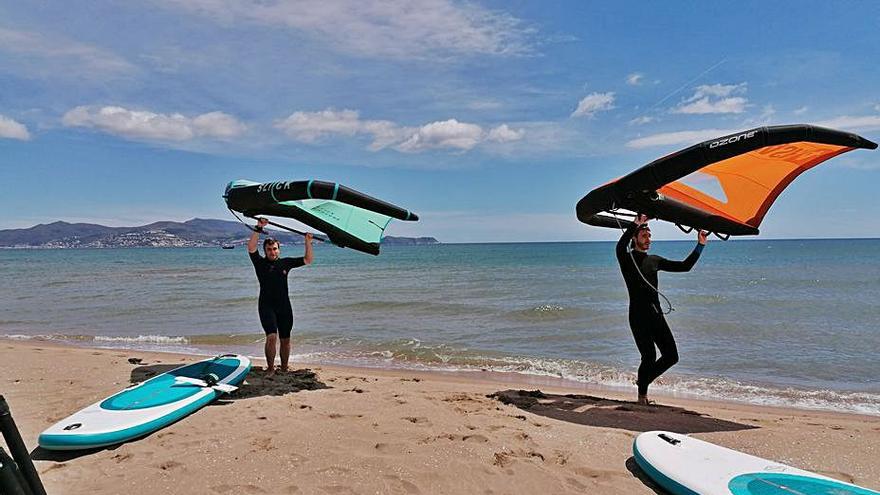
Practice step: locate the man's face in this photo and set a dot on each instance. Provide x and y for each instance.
(272, 251)
(643, 240)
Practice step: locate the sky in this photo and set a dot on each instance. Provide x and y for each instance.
(488, 119)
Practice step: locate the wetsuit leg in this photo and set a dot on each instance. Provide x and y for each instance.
(641, 330)
(268, 318)
(666, 343)
(284, 316)
(650, 328)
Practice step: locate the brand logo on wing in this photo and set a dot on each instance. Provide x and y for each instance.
(732, 139)
(274, 185)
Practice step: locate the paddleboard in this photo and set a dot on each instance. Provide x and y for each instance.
(147, 406)
(689, 466)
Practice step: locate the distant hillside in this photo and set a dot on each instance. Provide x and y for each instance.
(197, 232)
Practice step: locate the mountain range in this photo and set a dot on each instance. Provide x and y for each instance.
(197, 232)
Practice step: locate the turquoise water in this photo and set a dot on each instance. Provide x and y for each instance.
(771, 322)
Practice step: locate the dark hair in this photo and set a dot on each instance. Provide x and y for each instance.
(632, 241)
(269, 241)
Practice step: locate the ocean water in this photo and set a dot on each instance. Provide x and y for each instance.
(790, 322)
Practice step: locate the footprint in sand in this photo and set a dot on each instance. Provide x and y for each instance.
(421, 420)
(506, 458)
(561, 457)
(523, 436)
(396, 485)
(171, 465)
(121, 457)
(263, 443)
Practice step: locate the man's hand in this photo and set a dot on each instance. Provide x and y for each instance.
(641, 219)
(309, 237)
(262, 222)
(702, 236)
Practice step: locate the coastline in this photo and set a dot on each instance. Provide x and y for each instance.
(340, 429)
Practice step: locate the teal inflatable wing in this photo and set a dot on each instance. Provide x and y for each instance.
(349, 218)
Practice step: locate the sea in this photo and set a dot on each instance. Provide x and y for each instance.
(769, 322)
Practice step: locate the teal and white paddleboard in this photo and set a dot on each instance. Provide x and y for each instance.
(147, 406)
(689, 466)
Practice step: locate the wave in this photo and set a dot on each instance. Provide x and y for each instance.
(547, 312)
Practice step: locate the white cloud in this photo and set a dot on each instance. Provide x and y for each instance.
(504, 134)
(393, 28)
(594, 103)
(877, 107)
(218, 124)
(141, 124)
(864, 123)
(446, 134)
(635, 79)
(800, 111)
(309, 127)
(714, 98)
(644, 119)
(11, 129)
(704, 105)
(59, 57)
(680, 137)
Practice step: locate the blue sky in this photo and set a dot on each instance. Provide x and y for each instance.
(489, 119)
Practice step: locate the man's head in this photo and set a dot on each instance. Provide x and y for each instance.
(642, 240)
(272, 249)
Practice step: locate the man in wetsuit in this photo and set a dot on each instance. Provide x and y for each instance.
(276, 314)
(649, 327)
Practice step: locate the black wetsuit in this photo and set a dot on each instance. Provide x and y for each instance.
(646, 320)
(276, 314)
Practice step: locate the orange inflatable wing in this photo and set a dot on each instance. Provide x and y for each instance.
(724, 185)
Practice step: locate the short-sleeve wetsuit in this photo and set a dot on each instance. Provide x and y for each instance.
(646, 320)
(276, 314)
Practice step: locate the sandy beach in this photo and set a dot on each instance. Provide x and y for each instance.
(337, 430)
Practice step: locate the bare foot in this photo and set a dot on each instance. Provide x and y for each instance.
(270, 372)
(643, 401)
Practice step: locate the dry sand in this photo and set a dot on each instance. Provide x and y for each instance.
(342, 430)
